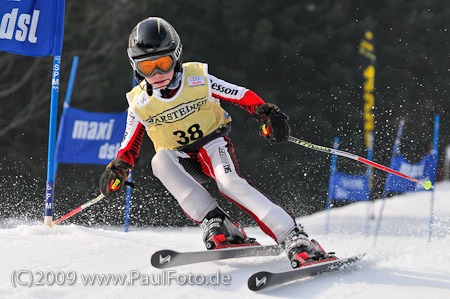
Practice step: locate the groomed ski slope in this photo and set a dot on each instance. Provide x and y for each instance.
(402, 264)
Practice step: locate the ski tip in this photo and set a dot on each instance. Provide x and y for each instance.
(258, 281)
(161, 259)
(263, 279)
(360, 256)
(352, 259)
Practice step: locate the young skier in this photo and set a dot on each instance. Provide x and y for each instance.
(178, 105)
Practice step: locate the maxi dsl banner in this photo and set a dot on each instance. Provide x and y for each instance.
(89, 137)
(424, 171)
(344, 186)
(32, 27)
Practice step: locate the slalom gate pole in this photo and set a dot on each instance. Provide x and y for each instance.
(79, 209)
(427, 185)
(395, 152)
(127, 201)
(73, 73)
(50, 184)
(435, 156)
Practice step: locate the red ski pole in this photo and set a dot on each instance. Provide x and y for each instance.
(79, 209)
(427, 184)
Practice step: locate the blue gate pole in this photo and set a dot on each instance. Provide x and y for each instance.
(127, 203)
(73, 73)
(435, 154)
(369, 173)
(49, 193)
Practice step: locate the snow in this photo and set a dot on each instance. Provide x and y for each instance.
(402, 263)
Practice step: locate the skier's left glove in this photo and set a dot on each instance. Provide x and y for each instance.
(273, 124)
(113, 179)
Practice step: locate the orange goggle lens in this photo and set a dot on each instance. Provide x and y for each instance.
(147, 67)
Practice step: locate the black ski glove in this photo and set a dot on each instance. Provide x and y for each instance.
(274, 124)
(113, 179)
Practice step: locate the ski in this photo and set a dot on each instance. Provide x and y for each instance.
(169, 258)
(264, 279)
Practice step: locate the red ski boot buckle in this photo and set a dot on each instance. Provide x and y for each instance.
(219, 239)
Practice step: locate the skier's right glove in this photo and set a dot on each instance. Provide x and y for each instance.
(113, 179)
(273, 124)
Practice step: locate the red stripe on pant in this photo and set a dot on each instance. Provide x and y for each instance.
(261, 224)
(205, 161)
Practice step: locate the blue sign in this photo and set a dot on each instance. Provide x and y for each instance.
(89, 137)
(32, 27)
(424, 171)
(348, 187)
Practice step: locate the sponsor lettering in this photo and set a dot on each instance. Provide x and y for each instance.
(177, 113)
(27, 26)
(129, 127)
(369, 102)
(224, 159)
(261, 281)
(142, 101)
(265, 130)
(177, 52)
(195, 81)
(353, 184)
(92, 130)
(108, 151)
(415, 171)
(225, 90)
(342, 193)
(169, 28)
(163, 260)
(367, 50)
(366, 47)
(309, 145)
(55, 77)
(49, 198)
(115, 184)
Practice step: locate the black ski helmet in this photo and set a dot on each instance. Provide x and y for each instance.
(154, 37)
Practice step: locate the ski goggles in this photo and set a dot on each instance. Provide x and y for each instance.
(149, 66)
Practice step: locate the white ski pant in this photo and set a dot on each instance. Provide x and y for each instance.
(217, 160)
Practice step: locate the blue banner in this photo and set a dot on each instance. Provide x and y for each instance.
(32, 27)
(89, 137)
(424, 171)
(349, 187)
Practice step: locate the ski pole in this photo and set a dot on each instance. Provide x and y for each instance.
(427, 184)
(79, 209)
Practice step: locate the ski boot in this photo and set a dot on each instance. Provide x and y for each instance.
(219, 232)
(302, 252)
